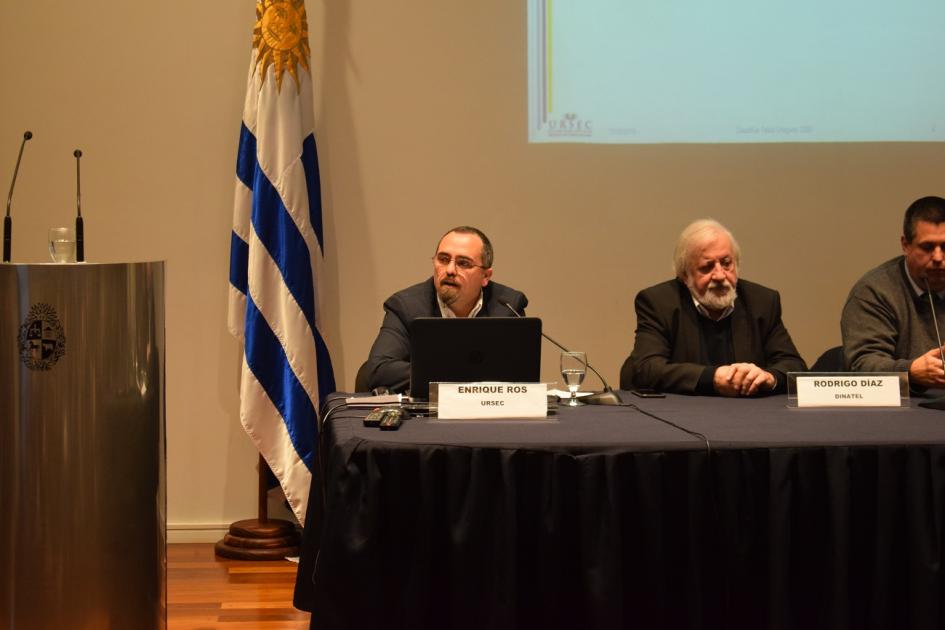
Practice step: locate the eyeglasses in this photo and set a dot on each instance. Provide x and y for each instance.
(462, 263)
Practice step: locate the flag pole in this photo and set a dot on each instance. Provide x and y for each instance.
(262, 491)
(260, 538)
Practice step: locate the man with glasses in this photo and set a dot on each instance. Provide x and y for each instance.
(707, 332)
(461, 286)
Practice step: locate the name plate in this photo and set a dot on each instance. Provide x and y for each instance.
(475, 401)
(849, 390)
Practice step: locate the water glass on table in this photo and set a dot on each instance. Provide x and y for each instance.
(573, 369)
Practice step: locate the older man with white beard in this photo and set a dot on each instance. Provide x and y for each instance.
(706, 332)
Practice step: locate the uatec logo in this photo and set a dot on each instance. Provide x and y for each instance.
(569, 124)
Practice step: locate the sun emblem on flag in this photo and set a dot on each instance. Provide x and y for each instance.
(280, 38)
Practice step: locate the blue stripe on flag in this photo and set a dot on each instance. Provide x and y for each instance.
(269, 364)
(280, 236)
(246, 157)
(239, 261)
(310, 162)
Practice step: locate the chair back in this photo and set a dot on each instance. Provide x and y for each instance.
(830, 361)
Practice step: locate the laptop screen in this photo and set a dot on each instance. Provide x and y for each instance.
(467, 350)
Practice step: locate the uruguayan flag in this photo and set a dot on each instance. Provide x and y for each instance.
(276, 249)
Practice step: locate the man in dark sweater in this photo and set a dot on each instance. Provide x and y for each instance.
(461, 286)
(707, 331)
(887, 322)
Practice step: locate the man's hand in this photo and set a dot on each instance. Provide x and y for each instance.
(744, 379)
(927, 369)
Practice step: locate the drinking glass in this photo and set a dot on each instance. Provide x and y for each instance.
(573, 369)
(62, 245)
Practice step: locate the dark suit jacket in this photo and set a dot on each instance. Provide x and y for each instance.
(389, 362)
(668, 353)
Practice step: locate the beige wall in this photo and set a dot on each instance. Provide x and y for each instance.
(421, 125)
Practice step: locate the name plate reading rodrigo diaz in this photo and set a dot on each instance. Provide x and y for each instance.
(854, 390)
(476, 401)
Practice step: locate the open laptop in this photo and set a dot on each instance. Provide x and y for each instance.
(467, 350)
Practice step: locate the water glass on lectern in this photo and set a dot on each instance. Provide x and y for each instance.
(62, 245)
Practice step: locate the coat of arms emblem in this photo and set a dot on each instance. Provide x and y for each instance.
(41, 341)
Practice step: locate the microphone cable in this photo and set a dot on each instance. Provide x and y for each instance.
(696, 434)
(328, 410)
(607, 397)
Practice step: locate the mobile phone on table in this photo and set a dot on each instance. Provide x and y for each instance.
(373, 419)
(646, 392)
(392, 419)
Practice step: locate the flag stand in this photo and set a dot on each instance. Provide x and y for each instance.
(260, 538)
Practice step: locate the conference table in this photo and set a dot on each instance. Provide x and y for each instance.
(679, 512)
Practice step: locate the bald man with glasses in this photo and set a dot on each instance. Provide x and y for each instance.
(461, 286)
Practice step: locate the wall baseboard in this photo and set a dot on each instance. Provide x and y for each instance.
(212, 532)
(196, 532)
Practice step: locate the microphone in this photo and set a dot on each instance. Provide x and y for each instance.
(935, 403)
(7, 221)
(79, 226)
(606, 397)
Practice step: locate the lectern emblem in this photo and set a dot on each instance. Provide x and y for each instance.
(41, 339)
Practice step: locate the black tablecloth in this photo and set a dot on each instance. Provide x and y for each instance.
(605, 517)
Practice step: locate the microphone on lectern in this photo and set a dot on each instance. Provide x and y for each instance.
(606, 397)
(935, 403)
(79, 226)
(7, 221)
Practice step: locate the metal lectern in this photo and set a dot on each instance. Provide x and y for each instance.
(82, 450)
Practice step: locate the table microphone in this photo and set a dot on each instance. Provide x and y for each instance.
(79, 226)
(935, 403)
(606, 397)
(7, 221)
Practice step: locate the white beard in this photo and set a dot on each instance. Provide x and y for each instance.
(713, 300)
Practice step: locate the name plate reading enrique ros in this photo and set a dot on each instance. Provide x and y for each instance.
(848, 390)
(479, 401)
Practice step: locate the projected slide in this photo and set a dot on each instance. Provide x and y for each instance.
(695, 71)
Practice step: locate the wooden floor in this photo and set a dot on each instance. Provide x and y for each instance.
(204, 591)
